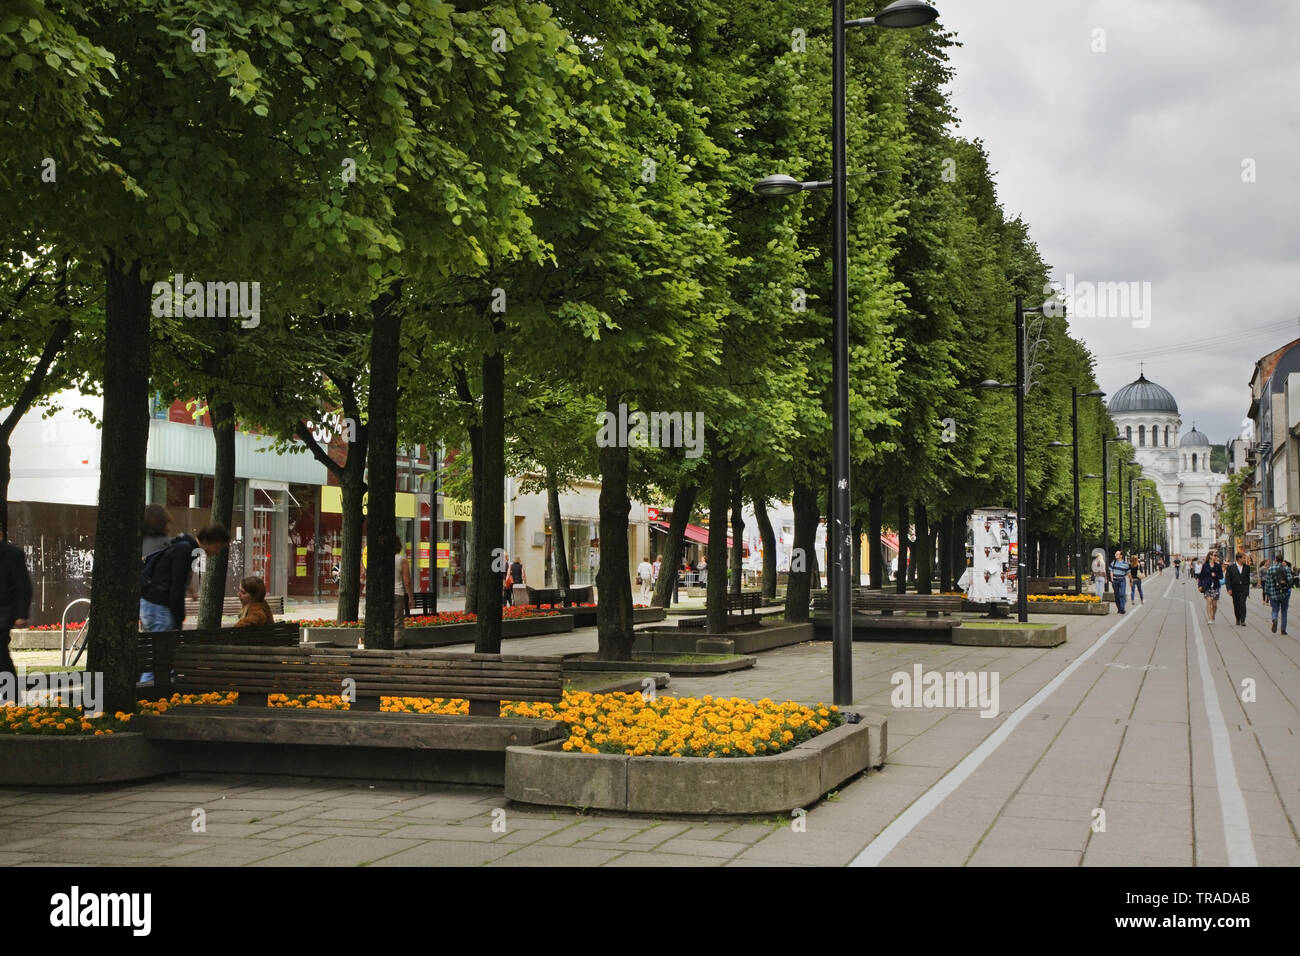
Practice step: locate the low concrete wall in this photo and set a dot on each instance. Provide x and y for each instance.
(40, 761)
(672, 640)
(1010, 636)
(1069, 607)
(26, 639)
(549, 776)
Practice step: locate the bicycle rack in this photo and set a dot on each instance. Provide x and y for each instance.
(63, 632)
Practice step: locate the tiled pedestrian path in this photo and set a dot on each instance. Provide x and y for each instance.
(1111, 750)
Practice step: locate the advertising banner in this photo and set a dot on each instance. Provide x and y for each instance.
(992, 548)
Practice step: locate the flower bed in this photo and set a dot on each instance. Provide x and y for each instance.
(72, 626)
(615, 723)
(1070, 598)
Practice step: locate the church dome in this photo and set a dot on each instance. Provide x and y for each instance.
(1143, 396)
(1193, 437)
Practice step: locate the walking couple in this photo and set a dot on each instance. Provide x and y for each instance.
(1214, 576)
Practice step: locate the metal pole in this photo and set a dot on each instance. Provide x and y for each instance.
(1022, 579)
(435, 526)
(1119, 507)
(1105, 501)
(840, 545)
(1078, 532)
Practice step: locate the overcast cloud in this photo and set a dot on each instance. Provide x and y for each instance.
(1127, 165)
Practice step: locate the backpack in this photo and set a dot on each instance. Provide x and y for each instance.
(150, 567)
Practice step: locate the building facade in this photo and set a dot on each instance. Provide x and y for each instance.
(1270, 452)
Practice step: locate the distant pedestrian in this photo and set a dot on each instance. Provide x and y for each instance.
(155, 525)
(1119, 569)
(1099, 574)
(1277, 582)
(1209, 581)
(703, 569)
(658, 566)
(165, 579)
(15, 598)
(644, 571)
(507, 587)
(1236, 578)
(1135, 575)
(1263, 592)
(401, 593)
(520, 585)
(1178, 562)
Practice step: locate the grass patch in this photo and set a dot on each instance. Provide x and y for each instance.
(598, 679)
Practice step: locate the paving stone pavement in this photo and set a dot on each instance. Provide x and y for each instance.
(1106, 751)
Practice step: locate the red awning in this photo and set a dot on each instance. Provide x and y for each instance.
(694, 532)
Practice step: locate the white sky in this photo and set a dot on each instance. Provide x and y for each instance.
(1127, 166)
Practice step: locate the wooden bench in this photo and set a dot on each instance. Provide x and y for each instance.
(874, 611)
(156, 650)
(743, 601)
(554, 596)
(231, 607)
(483, 679)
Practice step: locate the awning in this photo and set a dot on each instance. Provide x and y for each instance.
(694, 532)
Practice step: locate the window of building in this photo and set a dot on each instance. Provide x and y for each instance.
(1142, 436)
(1193, 462)
(1128, 434)
(1166, 436)
(1196, 526)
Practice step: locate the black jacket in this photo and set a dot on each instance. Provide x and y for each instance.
(15, 585)
(171, 576)
(1237, 582)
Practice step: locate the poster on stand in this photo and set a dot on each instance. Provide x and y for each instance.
(991, 553)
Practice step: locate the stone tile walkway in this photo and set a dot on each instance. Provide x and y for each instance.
(1106, 751)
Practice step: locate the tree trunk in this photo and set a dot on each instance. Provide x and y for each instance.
(875, 554)
(614, 635)
(476, 527)
(352, 491)
(737, 535)
(557, 532)
(924, 560)
(945, 553)
(900, 581)
(5, 472)
(768, 536)
(381, 458)
(798, 589)
(115, 591)
(682, 505)
(490, 578)
(213, 592)
(719, 498)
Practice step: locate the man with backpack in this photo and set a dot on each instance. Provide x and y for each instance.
(166, 575)
(1277, 581)
(15, 596)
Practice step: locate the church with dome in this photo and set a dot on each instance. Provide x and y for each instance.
(1147, 417)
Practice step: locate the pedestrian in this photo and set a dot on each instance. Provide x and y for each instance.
(1263, 591)
(658, 566)
(1209, 581)
(1276, 582)
(156, 522)
(401, 593)
(1099, 574)
(1236, 578)
(1119, 579)
(703, 570)
(1135, 575)
(643, 572)
(520, 595)
(165, 579)
(15, 598)
(508, 587)
(1178, 562)
(255, 611)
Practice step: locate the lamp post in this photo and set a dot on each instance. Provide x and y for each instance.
(1074, 446)
(839, 544)
(1105, 498)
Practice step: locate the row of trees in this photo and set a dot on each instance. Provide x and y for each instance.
(486, 223)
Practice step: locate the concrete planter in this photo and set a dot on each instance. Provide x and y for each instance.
(586, 616)
(1050, 636)
(672, 640)
(1068, 607)
(574, 664)
(38, 761)
(547, 775)
(27, 639)
(443, 634)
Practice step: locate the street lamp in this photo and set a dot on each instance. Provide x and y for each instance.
(1074, 445)
(839, 544)
(1022, 584)
(1105, 499)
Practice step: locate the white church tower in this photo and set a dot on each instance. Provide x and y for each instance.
(1147, 417)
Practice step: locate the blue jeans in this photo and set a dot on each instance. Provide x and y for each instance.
(1280, 604)
(1121, 593)
(1137, 589)
(155, 617)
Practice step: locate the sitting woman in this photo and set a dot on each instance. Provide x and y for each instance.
(256, 612)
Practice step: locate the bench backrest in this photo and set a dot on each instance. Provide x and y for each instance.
(538, 596)
(375, 673)
(156, 650)
(231, 605)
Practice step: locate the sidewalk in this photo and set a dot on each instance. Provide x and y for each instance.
(1116, 720)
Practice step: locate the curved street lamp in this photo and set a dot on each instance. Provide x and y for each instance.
(839, 541)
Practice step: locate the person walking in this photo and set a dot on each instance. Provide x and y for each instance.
(1277, 582)
(520, 595)
(1263, 591)
(1135, 575)
(1119, 579)
(657, 568)
(165, 580)
(508, 587)
(1099, 574)
(15, 599)
(401, 593)
(1209, 580)
(1236, 578)
(644, 570)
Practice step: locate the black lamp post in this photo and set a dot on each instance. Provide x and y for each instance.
(1105, 498)
(1074, 445)
(839, 543)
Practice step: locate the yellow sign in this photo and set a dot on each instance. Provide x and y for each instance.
(301, 571)
(444, 554)
(331, 502)
(453, 509)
